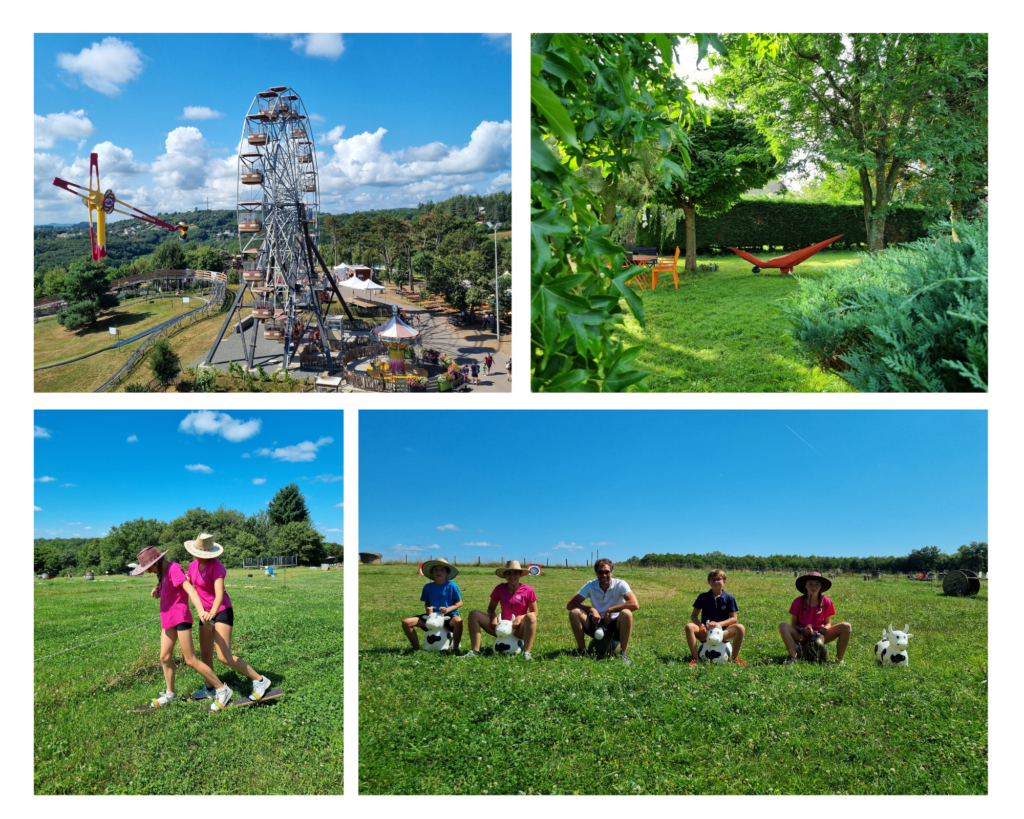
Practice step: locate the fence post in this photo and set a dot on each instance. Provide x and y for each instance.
(478, 560)
(567, 563)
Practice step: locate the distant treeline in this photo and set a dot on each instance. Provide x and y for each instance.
(973, 557)
(283, 529)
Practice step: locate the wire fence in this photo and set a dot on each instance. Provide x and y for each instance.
(83, 645)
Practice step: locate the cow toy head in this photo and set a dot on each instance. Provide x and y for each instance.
(714, 649)
(506, 644)
(892, 648)
(439, 636)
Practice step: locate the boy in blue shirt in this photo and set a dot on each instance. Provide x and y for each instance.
(441, 595)
(715, 608)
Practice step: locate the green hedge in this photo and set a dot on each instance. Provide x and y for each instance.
(753, 224)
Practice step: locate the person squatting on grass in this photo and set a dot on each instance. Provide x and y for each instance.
(216, 614)
(518, 604)
(441, 595)
(612, 606)
(715, 608)
(810, 613)
(174, 590)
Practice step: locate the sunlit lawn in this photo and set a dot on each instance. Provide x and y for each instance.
(724, 332)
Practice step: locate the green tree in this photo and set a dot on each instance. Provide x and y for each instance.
(89, 554)
(84, 288)
(123, 543)
(925, 559)
(204, 258)
(301, 540)
(288, 506)
(727, 158)
(164, 362)
(53, 281)
(973, 557)
(169, 256)
(885, 104)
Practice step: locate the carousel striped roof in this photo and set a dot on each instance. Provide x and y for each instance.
(396, 329)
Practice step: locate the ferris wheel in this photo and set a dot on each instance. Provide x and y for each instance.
(278, 229)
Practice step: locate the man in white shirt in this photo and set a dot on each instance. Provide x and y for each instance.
(612, 604)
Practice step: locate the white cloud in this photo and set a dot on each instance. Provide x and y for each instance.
(105, 66)
(329, 46)
(563, 545)
(334, 530)
(200, 112)
(603, 543)
(483, 543)
(328, 478)
(65, 125)
(246, 455)
(132, 439)
(259, 481)
(502, 182)
(306, 451)
(72, 522)
(543, 554)
(502, 41)
(44, 479)
(317, 118)
(87, 527)
(405, 547)
(207, 422)
(339, 505)
(37, 509)
(198, 468)
(40, 432)
(449, 527)
(69, 484)
(183, 166)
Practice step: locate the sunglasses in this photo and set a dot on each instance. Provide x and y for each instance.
(606, 571)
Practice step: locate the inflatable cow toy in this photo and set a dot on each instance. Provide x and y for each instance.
(713, 649)
(439, 636)
(813, 648)
(892, 648)
(506, 644)
(602, 645)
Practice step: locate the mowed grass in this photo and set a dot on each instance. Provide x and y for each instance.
(724, 332)
(87, 741)
(559, 724)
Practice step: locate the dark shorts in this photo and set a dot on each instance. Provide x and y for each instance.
(610, 631)
(184, 626)
(447, 619)
(227, 617)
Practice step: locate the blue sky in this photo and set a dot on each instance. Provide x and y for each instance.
(99, 468)
(398, 118)
(563, 484)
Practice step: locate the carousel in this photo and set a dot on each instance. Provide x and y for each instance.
(397, 336)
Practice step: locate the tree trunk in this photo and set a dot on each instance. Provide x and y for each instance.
(408, 256)
(690, 213)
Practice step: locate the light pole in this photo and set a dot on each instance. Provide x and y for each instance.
(497, 309)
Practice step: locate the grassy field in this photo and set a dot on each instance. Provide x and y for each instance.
(723, 331)
(558, 724)
(86, 741)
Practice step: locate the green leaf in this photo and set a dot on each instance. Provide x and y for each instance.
(536, 62)
(541, 156)
(554, 113)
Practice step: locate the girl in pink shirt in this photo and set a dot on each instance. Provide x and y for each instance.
(812, 613)
(518, 603)
(216, 614)
(174, 591)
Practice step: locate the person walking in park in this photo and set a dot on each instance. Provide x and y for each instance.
(217, 616)
(508, 368)
(174, 591)
(612, 603)
(518, 603)
(442, 595)
(715, 608)
(474, 369)
(488, 363)
(812, 613)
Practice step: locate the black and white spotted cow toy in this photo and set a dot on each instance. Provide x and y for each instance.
(892, 648)
(713, 649)
(506, 644)
(439, 636)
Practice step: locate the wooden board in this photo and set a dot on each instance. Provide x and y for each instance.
(273, 694)
(961, 583)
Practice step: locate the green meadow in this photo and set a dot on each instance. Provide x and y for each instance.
(87, 741)
(561, 725)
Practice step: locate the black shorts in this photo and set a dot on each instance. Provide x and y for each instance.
(610, 631)
(227, 617)
(184, 626)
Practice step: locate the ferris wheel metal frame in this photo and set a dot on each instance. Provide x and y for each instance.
(278, 210)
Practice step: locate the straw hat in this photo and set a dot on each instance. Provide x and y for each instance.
(511, 565)
(203, 547)
(801, 582)
(428, 567)
(147, 557)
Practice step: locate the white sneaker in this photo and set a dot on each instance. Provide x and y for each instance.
(259, 688)
(471, 653)
(164, 698)
(221, 697)
(527, 655)
(203, 693)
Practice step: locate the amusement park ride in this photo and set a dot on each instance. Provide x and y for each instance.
(278, 221)
(103, 203)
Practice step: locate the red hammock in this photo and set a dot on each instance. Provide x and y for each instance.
(790, 260)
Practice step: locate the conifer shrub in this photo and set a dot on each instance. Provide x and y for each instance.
(908, 319)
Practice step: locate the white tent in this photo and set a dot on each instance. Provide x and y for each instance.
(359, 284)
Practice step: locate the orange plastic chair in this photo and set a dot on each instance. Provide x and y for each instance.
(665, 264)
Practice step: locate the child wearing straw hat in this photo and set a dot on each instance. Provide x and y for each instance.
(207, 574)
(518, 603)
(439, 595)
(174, 590)
(812, 612)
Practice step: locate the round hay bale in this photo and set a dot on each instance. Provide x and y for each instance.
(961, 583)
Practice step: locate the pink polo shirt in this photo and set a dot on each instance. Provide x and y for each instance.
(513, 605)
(811, 617)
(202, 578)
(173, 599)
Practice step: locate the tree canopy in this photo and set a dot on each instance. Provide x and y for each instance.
(288, 506)
(84, 287)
